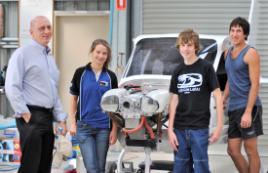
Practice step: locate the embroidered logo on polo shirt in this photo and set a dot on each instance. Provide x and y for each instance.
(104, 83)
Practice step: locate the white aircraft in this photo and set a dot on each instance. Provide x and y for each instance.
(139, 105)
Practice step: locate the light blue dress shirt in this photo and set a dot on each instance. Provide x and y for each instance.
(32, 79)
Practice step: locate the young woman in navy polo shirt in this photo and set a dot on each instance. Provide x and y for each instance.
(89, 123)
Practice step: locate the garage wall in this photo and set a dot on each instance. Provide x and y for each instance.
(205, 16)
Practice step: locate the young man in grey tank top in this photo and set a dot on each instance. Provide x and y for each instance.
(244, 110)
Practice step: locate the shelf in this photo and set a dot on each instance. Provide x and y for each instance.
(9, 0)
(10, 46)
(10, 39)
(9, 42)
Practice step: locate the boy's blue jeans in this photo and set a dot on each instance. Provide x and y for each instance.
(94, 144)
(192, 156)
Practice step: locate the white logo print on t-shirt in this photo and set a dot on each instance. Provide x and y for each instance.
(189, 82)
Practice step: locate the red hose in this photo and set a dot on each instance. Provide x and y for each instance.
(143, 123)
(150, 130)
(130, 131)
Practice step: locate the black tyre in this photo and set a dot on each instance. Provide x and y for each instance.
(140, 171)
(111, 167)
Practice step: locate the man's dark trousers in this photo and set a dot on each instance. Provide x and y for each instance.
(36, 141)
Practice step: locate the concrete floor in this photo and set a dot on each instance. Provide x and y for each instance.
(218, 159)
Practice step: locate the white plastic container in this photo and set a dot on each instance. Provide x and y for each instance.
(80, 168)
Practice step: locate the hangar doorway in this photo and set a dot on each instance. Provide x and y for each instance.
(73, 35)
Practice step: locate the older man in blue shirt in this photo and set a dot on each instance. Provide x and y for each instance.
(31, 87)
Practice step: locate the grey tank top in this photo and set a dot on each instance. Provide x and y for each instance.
(239, 82)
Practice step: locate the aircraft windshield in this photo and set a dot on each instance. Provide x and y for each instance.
(160, 55)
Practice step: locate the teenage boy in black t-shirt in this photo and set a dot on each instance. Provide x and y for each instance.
(189, 114)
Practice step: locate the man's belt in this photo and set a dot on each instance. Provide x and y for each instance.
(39, 108)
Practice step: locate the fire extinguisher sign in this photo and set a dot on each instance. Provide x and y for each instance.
(121, 4)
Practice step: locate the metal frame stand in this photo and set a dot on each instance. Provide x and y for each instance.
(147, 160)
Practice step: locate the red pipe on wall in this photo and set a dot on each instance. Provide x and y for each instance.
(1, 20)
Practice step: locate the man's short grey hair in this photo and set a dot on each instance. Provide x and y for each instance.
(35, 19)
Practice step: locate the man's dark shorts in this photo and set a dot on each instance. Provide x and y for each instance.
(235, 130)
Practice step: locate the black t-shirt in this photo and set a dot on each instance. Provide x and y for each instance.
(193, 84)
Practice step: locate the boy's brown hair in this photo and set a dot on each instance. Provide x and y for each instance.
(188, 36)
